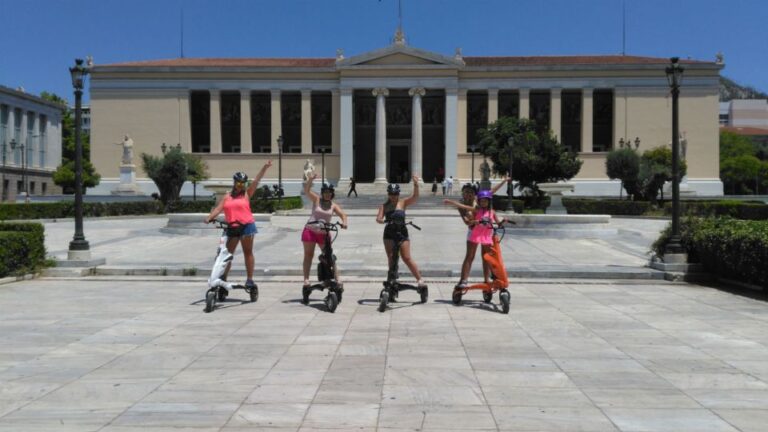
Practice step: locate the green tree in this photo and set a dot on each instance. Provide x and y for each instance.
(537, 158)
(655, 170)
(624, 164)
(197, 171)
(732, 145)
(171, 170)
(740, 171)
(64, 175)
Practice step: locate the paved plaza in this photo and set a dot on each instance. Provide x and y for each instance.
(137, 353)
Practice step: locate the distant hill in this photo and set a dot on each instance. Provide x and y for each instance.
(730, 90)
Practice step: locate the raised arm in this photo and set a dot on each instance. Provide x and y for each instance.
(308, 189)
(506, 180)
(415, 195)
(216, 210)
(458, 205)
(255, 183)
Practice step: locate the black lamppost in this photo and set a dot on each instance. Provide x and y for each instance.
(21, 147)
(510, 186)
(473, 148)
(322, 165)
(675, 76)
(78, 247)
(163, 148)
(279, 170)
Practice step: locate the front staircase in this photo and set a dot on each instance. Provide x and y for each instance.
(371, 196)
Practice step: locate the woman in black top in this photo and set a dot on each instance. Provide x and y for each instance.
(392, 212)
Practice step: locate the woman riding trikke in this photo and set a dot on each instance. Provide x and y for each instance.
(323, 208)
(392, 212)
(236, 206)
(468, 198)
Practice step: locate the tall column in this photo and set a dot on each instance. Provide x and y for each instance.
(346, 151)
(335, 123)
(215, 121)
(525, 103)
(34, 142)
(306, 121)
(555, 120)
(586, 120)
(185, 122)
(461, 121)
(277, 118)
(451, 111)
(246, 141)
(381, 134)
(416, 134)
(493, 105)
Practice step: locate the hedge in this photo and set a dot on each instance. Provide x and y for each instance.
(749, 210)
(22, 247)
(730, 248)
(63, 209)
(606, 206)
(500, 204)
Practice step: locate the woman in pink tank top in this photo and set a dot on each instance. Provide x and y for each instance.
(236, 206)
(323, 208)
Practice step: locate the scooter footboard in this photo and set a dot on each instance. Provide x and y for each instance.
(496, 263)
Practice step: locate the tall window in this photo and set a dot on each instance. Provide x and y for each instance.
(200, 102)
(570, 114)
(477, 117)
(31, 138)
(261, 122)
(540, 109)
(230, 122)
(321, 121)
(43, 140)
(509, 104)
(602, 120)
(291, 121)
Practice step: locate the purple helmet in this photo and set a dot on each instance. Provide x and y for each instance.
(485, 194)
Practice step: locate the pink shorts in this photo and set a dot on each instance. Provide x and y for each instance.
(310, 236)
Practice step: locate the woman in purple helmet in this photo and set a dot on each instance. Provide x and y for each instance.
(479, 234)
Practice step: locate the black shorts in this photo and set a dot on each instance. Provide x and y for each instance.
(396, 232)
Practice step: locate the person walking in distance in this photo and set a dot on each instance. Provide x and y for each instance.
(352, 187)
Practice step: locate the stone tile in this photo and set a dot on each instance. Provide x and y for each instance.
(431, 395)
(745, 420)
(667, 420)
(331, 393)
(351, 415)
(436, 418)
(524, 379)
(283, 393)
(535, 396)
(551, 419)
(176, 414)
(640, 398)
(730, 398)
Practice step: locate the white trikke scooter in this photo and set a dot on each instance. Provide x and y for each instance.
(218, 288)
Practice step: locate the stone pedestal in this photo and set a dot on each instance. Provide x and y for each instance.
(555, 192)
(127, 186)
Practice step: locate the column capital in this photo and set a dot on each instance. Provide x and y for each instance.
(274, 92)
(461, 92)
(417, 91)
(214, 91)
(245, 93)
(586, 90)
(346, 91)
(556, 90)
(493, 91)
(380, 91)
(306, 92)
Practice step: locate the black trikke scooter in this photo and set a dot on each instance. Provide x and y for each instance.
(392, 286)
(326, 269)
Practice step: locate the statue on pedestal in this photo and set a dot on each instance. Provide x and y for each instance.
(127, 185)
(127, 150)
(485, 175)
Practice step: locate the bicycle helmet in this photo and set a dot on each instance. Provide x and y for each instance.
(327, 187)
(485, 194)
(393, 189)
(240, 177)
(469, 186)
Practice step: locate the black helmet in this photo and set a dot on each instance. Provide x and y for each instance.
(470, 186)
(328, 187)
(240, 177)
(393, 189)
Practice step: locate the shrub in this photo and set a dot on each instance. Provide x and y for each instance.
(609, 206)
(749, 210)
(22, 247)
(730, 248)
(500, 203)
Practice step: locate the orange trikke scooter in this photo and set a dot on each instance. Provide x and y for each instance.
(499, 280)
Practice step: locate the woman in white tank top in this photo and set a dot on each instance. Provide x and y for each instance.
(323, 208)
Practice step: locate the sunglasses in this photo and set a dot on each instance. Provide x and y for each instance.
(240, 183)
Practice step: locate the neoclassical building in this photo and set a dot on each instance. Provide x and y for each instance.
(383, 115)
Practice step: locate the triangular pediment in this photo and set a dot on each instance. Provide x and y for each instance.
(400, 55)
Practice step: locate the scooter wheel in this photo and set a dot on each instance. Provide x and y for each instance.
(424, 293)
(504, 297)
(254, 293)
(331, 301)
(456, 297)
(383, 300)
(487, 296)
(210, 301)
(339, 291)
(222, 294)
(305, 294)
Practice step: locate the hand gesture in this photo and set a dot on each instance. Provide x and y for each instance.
(415, 179)
(268, 164)
(313, 176)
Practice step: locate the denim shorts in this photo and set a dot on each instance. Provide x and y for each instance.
(247, 230)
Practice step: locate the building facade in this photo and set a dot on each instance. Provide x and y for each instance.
(386, 114)
(30, 144)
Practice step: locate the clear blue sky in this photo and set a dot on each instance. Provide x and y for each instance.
(42, 37)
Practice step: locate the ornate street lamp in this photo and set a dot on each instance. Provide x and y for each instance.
(279, 170)
(675, 77)
(78, 247)
(510, 186)
(473, 147)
